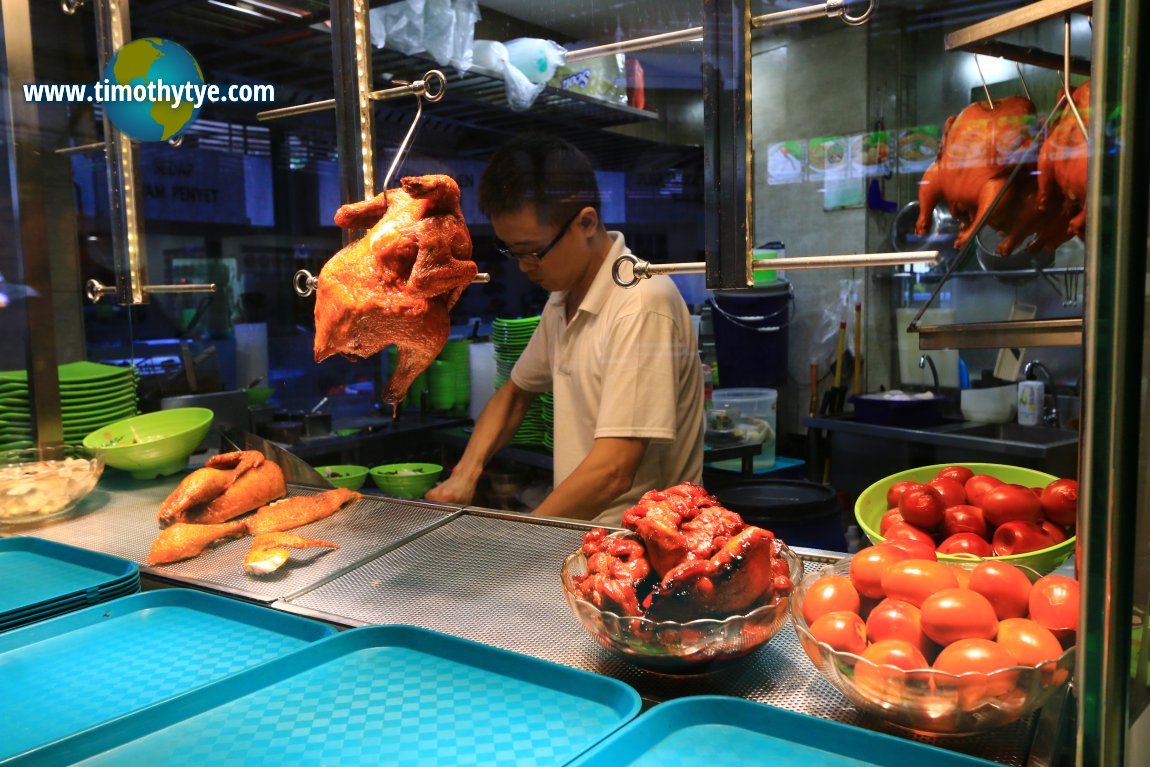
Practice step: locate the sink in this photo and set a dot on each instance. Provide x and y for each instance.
(1013, 432)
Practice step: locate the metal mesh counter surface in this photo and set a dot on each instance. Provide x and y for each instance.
(495, 580)
(120, 519)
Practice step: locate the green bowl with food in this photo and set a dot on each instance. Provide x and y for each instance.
(153, 444)
(406, 480)
(344, 475)
(258, 395)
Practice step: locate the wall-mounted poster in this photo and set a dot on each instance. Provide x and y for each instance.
(786, 162)
(870, 153)
(917, 148)
(828, 156)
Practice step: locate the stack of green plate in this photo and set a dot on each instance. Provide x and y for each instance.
(420, 385)
(509, 338)
(92, 395)
(547, 404)
(455, 356)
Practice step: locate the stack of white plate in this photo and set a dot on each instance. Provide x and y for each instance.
(92, 395)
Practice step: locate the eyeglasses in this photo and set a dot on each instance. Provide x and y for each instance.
(538, 255)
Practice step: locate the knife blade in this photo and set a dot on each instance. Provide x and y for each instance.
(295, 469)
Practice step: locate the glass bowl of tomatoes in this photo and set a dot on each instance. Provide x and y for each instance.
(680, 647)
(935, 655)
(975, 511)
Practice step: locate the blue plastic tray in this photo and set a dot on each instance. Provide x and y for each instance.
(23, 617)
(36, 572)
(69, 673)
(394, 695)
(712, 730)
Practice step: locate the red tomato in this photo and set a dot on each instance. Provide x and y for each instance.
(915, 547)
(895, 619)
(842, 630)
(895, 491)
(1008, 503)
(1019, 537)
(959, 474)
(1007, 588)
(877, 680)
(1054, 602)
(962, 574)
(981, 656)
(868, 565)
(978, 485)
(891, 517)
(907, 531)
(965, 543)
(950, 490)
(953, 614)
(921, 506)
(913, 580)
(830, 593)
(1055, 531)
(1028, 641)
(965, 519)
(1060, 501)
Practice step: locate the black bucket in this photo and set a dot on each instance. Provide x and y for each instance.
(751, 329)
(800, 513)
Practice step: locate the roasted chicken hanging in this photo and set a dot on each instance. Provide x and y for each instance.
(979, 149)
(396, 284)
(1062, 164)
(692, 559)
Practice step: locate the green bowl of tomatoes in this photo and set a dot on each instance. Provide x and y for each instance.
(975, 511)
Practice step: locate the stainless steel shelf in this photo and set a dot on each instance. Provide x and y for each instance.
(997, 335)
(982, 37)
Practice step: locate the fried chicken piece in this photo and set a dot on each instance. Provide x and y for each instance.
(182, 540)
(300, 510)
(204, 485)
(269, 551)
(396, 284)
(254, 489)
(741, 575)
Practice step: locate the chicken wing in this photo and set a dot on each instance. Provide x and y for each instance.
(300, 510)
(396, 284)
(269, 551)
(183, 541)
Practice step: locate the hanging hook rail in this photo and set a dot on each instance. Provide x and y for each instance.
(1066, 94)
(431, 87)
(642, 270)
(831, 10)
(95, 290)
(304, 283)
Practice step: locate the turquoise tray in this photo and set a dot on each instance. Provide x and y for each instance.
(715, 730)
(380, 695)
(66, 674)
(36, 572)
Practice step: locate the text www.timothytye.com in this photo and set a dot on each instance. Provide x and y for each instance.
(153, 92)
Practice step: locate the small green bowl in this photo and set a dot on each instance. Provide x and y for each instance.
(346, 475)
(154, 444)
(348, 431)
(871, 505)
(258, 395)
(417, 479)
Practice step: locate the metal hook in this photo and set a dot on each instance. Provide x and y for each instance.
(95, 290)
(626, 258)
(855, 21)
(175, 142)
(985, 89)
(1066, 77)
(405, 145)
(1022, 77)
(306, 287)
(71, 6)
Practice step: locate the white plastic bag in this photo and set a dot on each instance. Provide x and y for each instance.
(439, 30)
(536, 58)
(404, 26)
(521, 92)
(466, 15)
(377, 26)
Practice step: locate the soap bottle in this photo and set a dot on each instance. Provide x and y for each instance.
(1031, 395)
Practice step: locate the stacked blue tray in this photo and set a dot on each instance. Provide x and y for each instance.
(66, 675)
(43, 579)
(379, 695)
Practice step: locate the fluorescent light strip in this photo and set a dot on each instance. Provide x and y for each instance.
(247, 11)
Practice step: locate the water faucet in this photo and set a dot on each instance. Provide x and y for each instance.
(1049, 410)
(925, 360)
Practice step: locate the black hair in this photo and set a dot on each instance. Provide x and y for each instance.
(541, 170)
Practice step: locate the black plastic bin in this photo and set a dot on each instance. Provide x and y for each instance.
(801, 513)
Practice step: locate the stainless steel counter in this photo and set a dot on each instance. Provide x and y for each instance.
(487, 576)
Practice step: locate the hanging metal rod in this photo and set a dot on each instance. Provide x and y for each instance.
(642, 270)
(431, 87)
(304, 283)
(831, 10)
(95, 290)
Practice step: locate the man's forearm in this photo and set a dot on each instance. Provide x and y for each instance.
(599, 479)
(497, 424)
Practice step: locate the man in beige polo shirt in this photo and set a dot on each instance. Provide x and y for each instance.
(623, 364)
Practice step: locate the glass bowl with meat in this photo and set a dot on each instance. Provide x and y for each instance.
(686, 588)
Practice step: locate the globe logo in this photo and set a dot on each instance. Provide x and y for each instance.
(152, 60)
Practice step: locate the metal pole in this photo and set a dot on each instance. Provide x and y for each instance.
(351, 65)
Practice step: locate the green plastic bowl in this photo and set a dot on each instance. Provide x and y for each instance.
(346, 475)
(406, 480)
(154, 444)
(258, 395)
(871, 505)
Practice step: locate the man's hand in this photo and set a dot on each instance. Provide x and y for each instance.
(456, 489)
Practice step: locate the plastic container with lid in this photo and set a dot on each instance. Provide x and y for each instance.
(753, 403)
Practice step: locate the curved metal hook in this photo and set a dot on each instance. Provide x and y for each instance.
(307, 286)
(406, 143)
(426, 90)
(71, 6)
(636, 270)
(175, 142)
(858, 21)
(95, 290)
